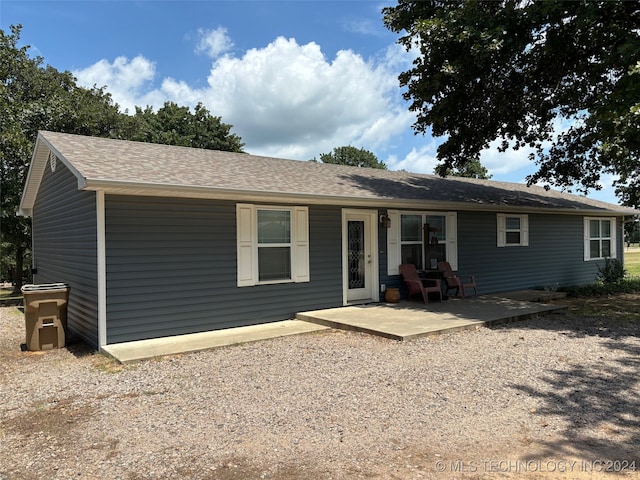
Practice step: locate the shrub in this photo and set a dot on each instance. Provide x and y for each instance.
(612, 273)
(599, 289)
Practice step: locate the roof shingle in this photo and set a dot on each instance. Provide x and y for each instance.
(124, 162)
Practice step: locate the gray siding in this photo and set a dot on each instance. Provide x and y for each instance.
(65, 247)
(171, 269)
(554, 257)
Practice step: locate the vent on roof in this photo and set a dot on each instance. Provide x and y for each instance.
(52, 161)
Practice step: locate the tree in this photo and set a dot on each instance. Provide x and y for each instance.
(176, 125)
(471, 169)
(632, 231)
(514, 70)
(352, 156)
(37, 97)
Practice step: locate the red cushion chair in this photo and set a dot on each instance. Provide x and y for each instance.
(417, 285)
(459, 283)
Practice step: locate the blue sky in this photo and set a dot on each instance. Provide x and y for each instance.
(294, 78)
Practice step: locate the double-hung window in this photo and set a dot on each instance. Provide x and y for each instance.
(414, 235)
(513, 230)
(421, 238)
(599, 238)
(273, 244)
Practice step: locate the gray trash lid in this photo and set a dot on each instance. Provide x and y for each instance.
(44, 287)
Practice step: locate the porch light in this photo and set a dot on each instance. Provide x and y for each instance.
(385, 221)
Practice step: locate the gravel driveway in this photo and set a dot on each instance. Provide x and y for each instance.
(527, 398)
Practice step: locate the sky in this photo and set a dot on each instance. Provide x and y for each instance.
(294, 78)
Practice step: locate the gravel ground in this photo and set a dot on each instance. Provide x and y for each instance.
(524, 399)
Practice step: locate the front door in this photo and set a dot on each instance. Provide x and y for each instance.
(359, 256)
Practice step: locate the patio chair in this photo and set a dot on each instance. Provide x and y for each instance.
(459, 283)
(417, 285)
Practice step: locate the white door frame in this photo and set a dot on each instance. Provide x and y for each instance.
(370, 217)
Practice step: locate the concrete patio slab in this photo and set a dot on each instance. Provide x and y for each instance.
(409, 320)
(193, 342)
(402, 321)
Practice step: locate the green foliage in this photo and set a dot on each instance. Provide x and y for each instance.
(471, 169)
(34, 97)
(176, 125)
(632, 263)
(512, 70)
(612, 280)
(352, 156)
(602, 289)
(612, 272)
(632, 231)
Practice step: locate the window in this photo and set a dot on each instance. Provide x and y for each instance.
(599, 238)
(411, 239)
(413, 231)
(513, 230)
(406, 239)
(273, 244)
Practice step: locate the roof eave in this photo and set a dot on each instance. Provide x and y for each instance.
(163, 190)
(37, 167)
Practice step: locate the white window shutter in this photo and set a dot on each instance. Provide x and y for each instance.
(587, 249)
(452, 239)
(613, 238)
(393, 243)
(301, 244)
(247, 238)
(502, 236)
(524, 230)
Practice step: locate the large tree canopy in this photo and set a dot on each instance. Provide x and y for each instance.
(34, 96)
(471, 169)
(176, 125)
(562, 78)
(352, 156)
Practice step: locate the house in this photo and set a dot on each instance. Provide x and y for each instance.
(158, 240)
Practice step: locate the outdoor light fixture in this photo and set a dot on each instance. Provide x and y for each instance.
(385, 221)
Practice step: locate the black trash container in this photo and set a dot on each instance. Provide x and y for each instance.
(45, 313)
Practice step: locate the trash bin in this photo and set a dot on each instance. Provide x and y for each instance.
(45, 313)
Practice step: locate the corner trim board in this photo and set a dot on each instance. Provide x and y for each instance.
(102, 268)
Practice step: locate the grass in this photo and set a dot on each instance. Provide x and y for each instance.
(6, 292)
(107, 364)
(7, 297)
(613, 309)
(632, 262)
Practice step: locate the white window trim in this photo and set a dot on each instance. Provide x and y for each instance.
(587, 238)
(502, 230)
(247, 244)
(394, 247)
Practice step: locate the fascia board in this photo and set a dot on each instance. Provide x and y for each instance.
(37, 167)
(157, 190)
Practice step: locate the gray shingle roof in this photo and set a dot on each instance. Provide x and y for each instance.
(100, 163)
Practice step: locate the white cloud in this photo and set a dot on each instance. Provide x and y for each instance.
(512, 161)
(421, 160)
(501, 163)
(362, 26)
(289, 100)
(214, 42)
(284, 99)
(395, 56)
(124, 78)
